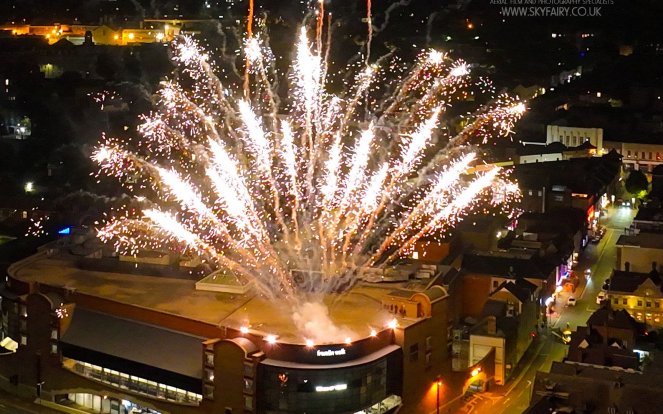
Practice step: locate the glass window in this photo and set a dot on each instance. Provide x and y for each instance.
(624, 301)
(639, 303)
(209, 391)
(248, 385)
(209, 358)
(648, 304)
(248, 402)
(414, 352)
(209, 374)
(24, 340)
(54, 349)
(615, 301)
(54, 334)
(248, 370)
(429, 343)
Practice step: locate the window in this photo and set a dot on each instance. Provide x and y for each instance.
(624, 301)
(209, 359)
(414, 352)
(539, 193)
(628, 153)
(248, 402)
(648, 303)
(248, 370)
(495, 283)
(429, 343)
(209, 375)
(639, 302)
(248, 386)
(615, 301)
(24, 340)
(650, 156)
(530, 192)
(209, 391)
(657, 304)
(54, 334)
(428, 359)
(54, 349)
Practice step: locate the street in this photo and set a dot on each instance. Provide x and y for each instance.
(601, 259)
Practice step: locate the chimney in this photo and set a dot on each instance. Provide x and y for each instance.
(491, 325)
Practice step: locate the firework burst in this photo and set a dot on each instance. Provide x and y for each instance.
(299, 198)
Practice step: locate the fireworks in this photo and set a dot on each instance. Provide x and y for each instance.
(300, 194)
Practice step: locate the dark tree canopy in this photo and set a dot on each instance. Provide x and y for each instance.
(637, 183)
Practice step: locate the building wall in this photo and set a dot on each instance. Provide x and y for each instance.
(475, 290)
(480, 346)
(636, 155)
(421, 369)
(574, 136)
(639, 258)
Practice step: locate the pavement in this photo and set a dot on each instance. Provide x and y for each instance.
(513, 398)
(11, 404)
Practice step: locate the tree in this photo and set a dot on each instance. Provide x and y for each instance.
(637, 184)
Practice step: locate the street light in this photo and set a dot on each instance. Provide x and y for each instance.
(438, 384)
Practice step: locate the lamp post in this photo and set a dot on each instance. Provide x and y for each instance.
(438, 385)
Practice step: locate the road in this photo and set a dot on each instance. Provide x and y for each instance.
(11, 404)
(600, 258)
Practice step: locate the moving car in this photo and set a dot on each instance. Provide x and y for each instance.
(571, 301)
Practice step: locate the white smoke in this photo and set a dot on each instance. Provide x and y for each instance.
(312, 319)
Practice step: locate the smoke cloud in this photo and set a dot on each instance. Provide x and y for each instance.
(312, 319)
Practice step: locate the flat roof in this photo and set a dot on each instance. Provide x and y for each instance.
(358, 310)
(643, 239)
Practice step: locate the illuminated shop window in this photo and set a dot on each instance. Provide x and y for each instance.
(133, 383)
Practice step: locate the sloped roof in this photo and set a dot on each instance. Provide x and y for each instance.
(621, 319)
(137, 342)
(627, 282)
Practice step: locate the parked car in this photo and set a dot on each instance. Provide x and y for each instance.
(571, 301)
(601, 297)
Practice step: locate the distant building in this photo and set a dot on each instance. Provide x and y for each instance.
(586, 388)
(608, 339)
(639, 294)
(508, 325)
(576, 183)
(575, 136)
(640, 251)
(484, 272)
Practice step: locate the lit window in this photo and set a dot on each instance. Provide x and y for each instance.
(209, 375)
(24, 340)
(54, 334)
(54, 349)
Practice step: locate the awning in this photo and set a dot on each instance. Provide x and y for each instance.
(135, 348)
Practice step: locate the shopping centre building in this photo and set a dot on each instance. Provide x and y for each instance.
(110, 334)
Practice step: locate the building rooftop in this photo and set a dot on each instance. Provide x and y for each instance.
(642, 239)
(358, 311)
(512, 263)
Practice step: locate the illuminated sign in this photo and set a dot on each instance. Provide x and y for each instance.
(330, 352)
(337, 387)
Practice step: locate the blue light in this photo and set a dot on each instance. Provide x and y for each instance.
(66, 230)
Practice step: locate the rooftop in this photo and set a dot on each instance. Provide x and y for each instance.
(643, 239)
(358, 310)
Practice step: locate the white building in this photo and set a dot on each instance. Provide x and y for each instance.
(575, 136)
